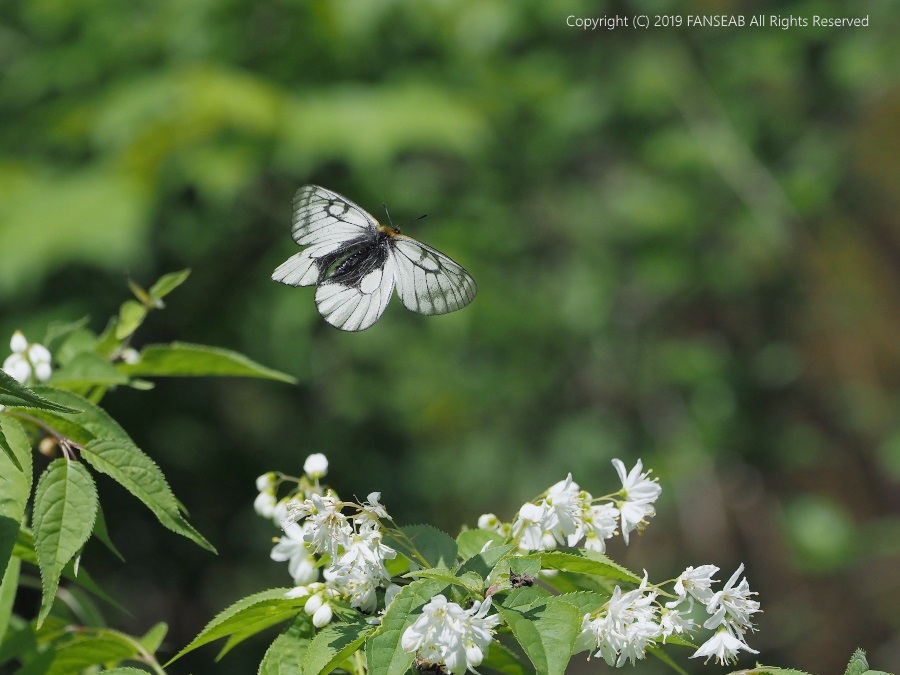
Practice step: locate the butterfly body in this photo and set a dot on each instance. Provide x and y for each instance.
(357, 262)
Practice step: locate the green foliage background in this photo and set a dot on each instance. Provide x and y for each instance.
(686, 244)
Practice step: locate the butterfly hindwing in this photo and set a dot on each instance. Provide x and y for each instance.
(429, 282)
(357, 306)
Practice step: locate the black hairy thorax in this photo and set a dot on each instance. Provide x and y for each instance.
(354, 259)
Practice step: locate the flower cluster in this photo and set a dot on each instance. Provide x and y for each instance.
(567, 515)
(445, 634)
(315, 529)
(630, 622)
(28, 361)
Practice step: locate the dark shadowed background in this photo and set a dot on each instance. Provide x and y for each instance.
(686, 244)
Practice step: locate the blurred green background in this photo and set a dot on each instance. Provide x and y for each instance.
(686, 244)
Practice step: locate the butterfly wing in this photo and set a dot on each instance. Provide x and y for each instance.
(354, 305)
(325, 217)
(428, 282)
(324, 221)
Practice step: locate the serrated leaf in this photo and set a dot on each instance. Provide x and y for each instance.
(333, 644)
(131, 315)
(285, 655)
(125, 463)
(102, 534)
(470, 580)
(502, 659)
(383, 652)
(15, 484)
(546, 631)
(521, 599)
(153, 638)
(484, 563)
(585, 562)
(88, 368)
(436, 547)
(65, 506)
(118, 457)
(81, 650)
(124, 670)
(250, 615)
(57, 331)
(181, 359)
(586, 601)
(470, 542)
(858, 663)
(168, 283)
(14, 394)
(9, 583)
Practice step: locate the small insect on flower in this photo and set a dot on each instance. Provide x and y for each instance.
(356, 262)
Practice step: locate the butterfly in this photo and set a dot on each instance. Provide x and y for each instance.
(356, 263)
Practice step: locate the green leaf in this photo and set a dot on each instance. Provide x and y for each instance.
(168, 283)
(65, 506)
(139, 292)
(102, 534)
(89, 647)
(857, 664)
(8, 587)
(484, 563)
(109, 450)
(546, 630)
(436, 547)
(383, 652)
(124, 670)
(470, 580)
(125, 463)
(57, 331)
(249, 615)
(285, 655)
(585, 562)
(502, 659)
(333, 644)
(153, 638)
(131, 316)
(586, 602)
(88, 368)
(183, 359)
(14, 394)
(15, 484)
(470, 542)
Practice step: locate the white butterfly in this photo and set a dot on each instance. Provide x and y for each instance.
(356, 262)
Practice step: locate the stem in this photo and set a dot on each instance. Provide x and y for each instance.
(66, 444)
(360, 664)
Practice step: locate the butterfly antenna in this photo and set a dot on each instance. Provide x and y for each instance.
(388, 213)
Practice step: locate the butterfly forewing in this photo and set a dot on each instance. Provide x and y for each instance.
(428, 282)
(356, 263)
(322, 216)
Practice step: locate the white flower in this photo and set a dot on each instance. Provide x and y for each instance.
(328, 529)
(488, 521)
(293, 549)
(599, 524)
(696, 582)
(356, 583)
(316, 466)
(624, 628)
(318, 605)
(723, 646)
(732, 606)
(27, 359)
(264, 504)
(529, 527)
(266, 482)
(640, 492)
(675, 622)
(131, 356)
(565, 505)
(447, 634)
